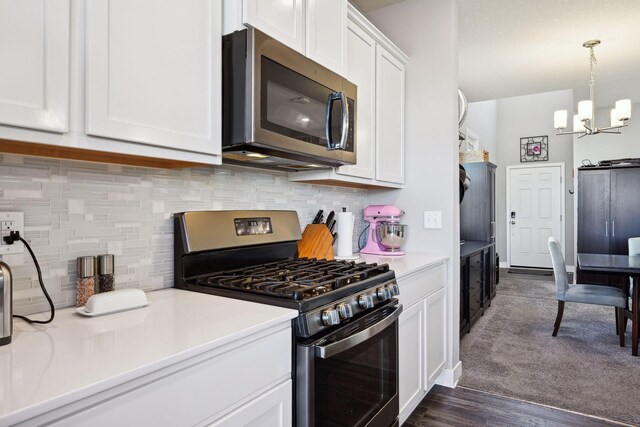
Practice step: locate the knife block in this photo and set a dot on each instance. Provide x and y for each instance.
(316, 242)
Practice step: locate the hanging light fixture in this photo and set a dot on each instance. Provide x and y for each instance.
(584, 122)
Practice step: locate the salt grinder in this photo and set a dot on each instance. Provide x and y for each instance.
(105, 273)
(86, 279)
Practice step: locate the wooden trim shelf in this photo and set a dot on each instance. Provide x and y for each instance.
(69, 153)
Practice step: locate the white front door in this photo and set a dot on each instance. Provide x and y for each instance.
(534, 214)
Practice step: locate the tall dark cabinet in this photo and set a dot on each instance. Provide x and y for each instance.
(478, 208)
(478, 272)
(608, 214)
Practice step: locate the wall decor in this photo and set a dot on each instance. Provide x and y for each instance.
(534, 149)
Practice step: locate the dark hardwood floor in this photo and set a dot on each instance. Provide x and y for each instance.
(464, 407)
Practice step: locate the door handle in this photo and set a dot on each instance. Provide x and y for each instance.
(606, 229)
(513, 222)
(613, 229)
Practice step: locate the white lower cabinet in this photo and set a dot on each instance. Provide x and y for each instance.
(421, 337)
(272, 409)
(227, 386)
(436, 311)
(411, 339)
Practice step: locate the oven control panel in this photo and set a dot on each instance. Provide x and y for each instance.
(343, 310)
(252, 226)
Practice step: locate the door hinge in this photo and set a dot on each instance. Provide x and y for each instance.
(560, 217)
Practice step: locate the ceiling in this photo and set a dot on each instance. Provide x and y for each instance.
(519, 47)
(369, 5)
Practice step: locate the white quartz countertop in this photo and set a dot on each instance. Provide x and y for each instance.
(405, 264)
(48, 366)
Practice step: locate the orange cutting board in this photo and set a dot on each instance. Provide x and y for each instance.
(316, 242)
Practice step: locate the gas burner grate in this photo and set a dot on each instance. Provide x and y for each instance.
(297, 279)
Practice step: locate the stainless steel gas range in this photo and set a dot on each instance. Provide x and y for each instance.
(346, 333)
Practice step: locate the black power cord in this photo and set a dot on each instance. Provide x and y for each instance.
(14, 236)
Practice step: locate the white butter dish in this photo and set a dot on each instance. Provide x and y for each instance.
(114, 301)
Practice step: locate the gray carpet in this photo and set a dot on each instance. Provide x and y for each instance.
(510, 352)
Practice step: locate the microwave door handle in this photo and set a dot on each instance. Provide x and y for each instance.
(335, 96)
(329, 350)
(345, 122)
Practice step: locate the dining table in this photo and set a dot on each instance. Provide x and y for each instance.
(621, 265)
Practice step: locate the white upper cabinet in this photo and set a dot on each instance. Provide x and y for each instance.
(153, 72)
(315, 28)
(377, 67)
(389, 117)
(361, 71)
(326, 33)
(281, 19)
(34, 58)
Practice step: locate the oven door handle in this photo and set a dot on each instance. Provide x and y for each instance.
(327, 351)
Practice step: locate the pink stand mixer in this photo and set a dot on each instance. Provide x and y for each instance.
(386, 234)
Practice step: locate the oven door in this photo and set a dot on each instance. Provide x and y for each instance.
(350, 376)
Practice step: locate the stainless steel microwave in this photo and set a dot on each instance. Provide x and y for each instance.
(282, 110)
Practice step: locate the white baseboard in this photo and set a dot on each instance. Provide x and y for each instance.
(570, 268)
(449, 377)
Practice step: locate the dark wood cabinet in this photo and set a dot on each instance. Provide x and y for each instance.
(477, 281)
(478, 208)
(478, 272)
(608, 214)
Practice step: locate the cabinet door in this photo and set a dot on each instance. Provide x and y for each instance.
(34, 75)
(411, 355)
(281, 19)
(593, 218)
(389, 117)
(491, 174)
(464, 293)
(326, 33)
(154, 72)
(436, 339)
(273, 409)
(361, 70)
(625, 209)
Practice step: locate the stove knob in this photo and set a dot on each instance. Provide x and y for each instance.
(330, 317)
(345, 310)
(365, 301)
(394, 288)
(383, 293)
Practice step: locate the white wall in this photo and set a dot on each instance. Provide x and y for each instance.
(427, 31)
(482, 120)
(517, 117)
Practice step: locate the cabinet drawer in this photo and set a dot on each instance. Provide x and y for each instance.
(417, 286)
(204, 389)
(475, 285)
(475, 304)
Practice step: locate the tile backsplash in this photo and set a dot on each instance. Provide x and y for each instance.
(80, 208)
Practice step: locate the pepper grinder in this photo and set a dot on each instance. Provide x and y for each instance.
(105, 273)
(86, 280)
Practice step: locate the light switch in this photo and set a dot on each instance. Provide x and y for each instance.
(432, 219)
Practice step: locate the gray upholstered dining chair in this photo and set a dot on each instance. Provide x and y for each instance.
(586, 294)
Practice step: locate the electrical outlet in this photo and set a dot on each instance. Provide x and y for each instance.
(11, 221)
(432, 219)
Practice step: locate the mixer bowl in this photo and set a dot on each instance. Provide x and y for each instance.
(392, 235)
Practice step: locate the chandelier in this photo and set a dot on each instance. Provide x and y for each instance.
(584, 122)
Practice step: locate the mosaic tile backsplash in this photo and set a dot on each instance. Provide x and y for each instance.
(80, 208)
